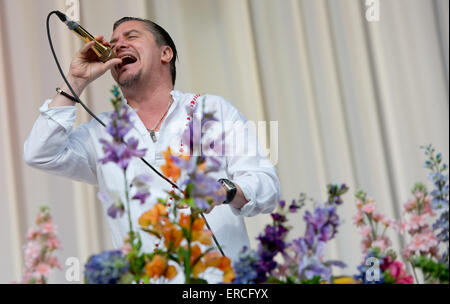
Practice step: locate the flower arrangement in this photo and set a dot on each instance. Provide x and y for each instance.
(42, 243)
(185, 248)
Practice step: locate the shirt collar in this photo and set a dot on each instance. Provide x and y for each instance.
(177, 98)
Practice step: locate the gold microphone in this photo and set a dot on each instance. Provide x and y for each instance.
(103, 52)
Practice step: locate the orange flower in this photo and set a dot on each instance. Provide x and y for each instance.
(198, 224)
(185, 220)
(225, 266)
(155, 268)
(198, 268)
(169, 169)
(212, 259)
(228, 275)
(153, 216)
(195, 253)
(171, 272)
(225, 263)
(172, 236)
(203, 237)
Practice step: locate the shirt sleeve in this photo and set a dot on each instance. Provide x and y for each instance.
(248, 167)
(55, 147)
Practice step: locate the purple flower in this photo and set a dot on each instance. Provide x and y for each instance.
(120, 124)
(121, 153)
(140, 182)
(204, 187)
(323, 223)
(310, 260)
(117, 208)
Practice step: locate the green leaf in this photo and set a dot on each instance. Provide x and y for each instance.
(197, 281)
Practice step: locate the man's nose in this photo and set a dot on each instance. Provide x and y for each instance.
(121, 44)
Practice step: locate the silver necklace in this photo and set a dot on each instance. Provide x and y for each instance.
(152, 131)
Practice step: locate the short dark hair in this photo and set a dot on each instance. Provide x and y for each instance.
(162, 37)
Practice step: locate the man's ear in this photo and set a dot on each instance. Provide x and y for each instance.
(166, 54)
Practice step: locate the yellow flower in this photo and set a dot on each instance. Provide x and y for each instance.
(344, 280)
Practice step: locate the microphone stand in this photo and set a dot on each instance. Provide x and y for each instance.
(76, 99)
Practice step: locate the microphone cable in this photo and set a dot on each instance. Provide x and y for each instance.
(76, 99)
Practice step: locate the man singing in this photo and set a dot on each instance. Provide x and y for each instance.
(145, 71)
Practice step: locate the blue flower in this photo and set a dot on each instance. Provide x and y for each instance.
(105, 268)
(245, 268)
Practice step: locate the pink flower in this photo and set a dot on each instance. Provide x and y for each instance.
(388, 222)
(32, 234)
(365, 244)
(417, 221)
(43, 269)
(401, 276)
(419, 195)
(32, 251)
(48, 227)
(378, 217)
(365, 231)
(405, 280)
(54, 262)
(383, 243)
(423, 242)
(400, 226)
(410, 205)
(126, 248)
(358, 219)
(53, 243)
(368, 208)
(359, 204)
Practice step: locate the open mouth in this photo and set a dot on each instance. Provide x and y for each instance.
(126, 60)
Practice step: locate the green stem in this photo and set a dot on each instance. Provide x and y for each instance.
(127, 200)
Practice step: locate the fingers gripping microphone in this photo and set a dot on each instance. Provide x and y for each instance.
(103, 52)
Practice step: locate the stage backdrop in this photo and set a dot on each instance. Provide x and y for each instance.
(354, 100)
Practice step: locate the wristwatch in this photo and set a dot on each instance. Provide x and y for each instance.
(231, 189)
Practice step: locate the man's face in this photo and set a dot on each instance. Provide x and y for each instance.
(139, 52)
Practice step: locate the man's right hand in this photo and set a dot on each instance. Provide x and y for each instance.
(84, 68)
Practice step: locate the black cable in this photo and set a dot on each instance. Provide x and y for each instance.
(75, 98)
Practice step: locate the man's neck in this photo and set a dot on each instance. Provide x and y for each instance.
(148, 99)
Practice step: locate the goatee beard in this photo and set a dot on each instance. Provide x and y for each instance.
(130, 81)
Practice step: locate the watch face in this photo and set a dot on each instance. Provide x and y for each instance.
(227, 183)
(231, 189)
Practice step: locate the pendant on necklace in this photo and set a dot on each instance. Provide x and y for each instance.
(153, 135)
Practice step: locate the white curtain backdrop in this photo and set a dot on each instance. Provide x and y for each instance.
(353, 99)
